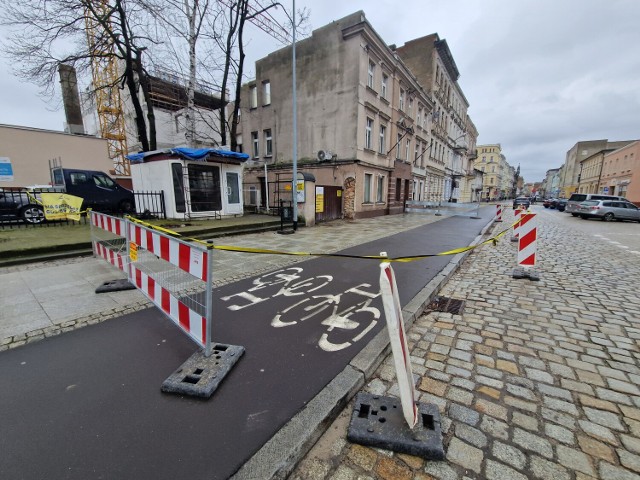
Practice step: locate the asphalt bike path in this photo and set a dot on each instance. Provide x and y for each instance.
(87, 404)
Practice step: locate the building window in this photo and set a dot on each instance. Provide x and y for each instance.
(368, 179)
(382, 145)
(401, 103)
(268, 143)
(415, 158)
(398, 188)
(399, 146)
(367, 133)
(266, 93)
(410, 109)
(380, 191)
(407, 147)
(419, 115)
(256, 144)
(370, 74)
(385, 81)
(253, 95)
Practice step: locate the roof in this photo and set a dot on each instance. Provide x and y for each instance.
(196, 154)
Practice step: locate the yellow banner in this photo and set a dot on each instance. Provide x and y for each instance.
(61, 206)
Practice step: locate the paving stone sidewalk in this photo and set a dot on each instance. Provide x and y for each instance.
(534, 380)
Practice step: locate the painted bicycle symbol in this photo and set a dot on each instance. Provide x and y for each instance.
(344, 325)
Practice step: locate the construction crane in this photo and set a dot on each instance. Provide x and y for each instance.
(104, 71)
(264, 21)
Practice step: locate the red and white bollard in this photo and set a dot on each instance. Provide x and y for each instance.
(517, 212)
(498, 213)
(527, 244)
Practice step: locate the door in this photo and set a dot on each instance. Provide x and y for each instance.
(233, 193)
(328, 203)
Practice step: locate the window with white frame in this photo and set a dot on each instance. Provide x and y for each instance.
(398, 146)
(419, 116)
(371, 74)
(415, 158)
(268, 143)
(410, 109)
(407, 149)
(380, 189)
(382, 144)
(385, 81)
(256, 144)
(253, 95)
(266, 93)
(367, 133)
(368, 180)
(401, 102)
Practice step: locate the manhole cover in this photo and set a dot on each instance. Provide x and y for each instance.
(446, 305)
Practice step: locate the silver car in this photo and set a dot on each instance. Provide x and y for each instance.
(608, 210)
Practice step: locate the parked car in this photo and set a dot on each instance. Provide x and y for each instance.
(561, 204)
(577, 198)
(549, 203)
(16, 204)
(524, 201)
(609, 210)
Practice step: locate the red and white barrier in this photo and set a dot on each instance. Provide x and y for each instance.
(190, 322)
(516, 225)
(111, 250)
(498, 213)
(395, 326)
(190, 258)
(183, 255)
(527, 240)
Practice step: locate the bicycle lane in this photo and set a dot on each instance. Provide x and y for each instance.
(89, 403)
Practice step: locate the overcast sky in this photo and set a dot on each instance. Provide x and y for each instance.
(539, 75)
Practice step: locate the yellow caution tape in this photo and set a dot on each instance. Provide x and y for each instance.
(230, 248)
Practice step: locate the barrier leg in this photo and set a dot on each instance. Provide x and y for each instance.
(377, 421)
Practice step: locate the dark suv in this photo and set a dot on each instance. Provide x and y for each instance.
(524, 201)
(16, 204)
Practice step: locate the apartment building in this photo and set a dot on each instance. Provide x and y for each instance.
(498, 175)
(449, 172)
(621, 172)
(572, 171)
(365, 124)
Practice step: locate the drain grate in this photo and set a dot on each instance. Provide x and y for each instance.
(446, 305)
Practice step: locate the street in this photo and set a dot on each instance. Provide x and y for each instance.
(534, 380)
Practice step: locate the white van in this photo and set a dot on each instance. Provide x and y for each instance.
(577, 198)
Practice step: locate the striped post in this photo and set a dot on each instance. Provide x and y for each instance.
(527, 244)
(498, 213)
(517, 212)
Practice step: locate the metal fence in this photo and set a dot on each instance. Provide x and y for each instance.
(21, 208)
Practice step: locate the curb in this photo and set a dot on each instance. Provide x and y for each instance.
(277, 458)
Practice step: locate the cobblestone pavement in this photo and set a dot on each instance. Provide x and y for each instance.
(534, 380)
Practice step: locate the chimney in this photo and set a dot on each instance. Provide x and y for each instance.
(71, 99)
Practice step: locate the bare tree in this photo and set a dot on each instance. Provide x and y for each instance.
(49, 33)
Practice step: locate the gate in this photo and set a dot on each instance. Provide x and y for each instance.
(331, 208)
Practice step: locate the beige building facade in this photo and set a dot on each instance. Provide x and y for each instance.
(621, 172)
(26, 153)
(365, 123)
(498, 175)
(453, 135)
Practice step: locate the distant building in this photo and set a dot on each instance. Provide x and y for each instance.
(621, 172)
(499, 177)
(571, 173)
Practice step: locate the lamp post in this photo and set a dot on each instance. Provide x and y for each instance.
(294, 180)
